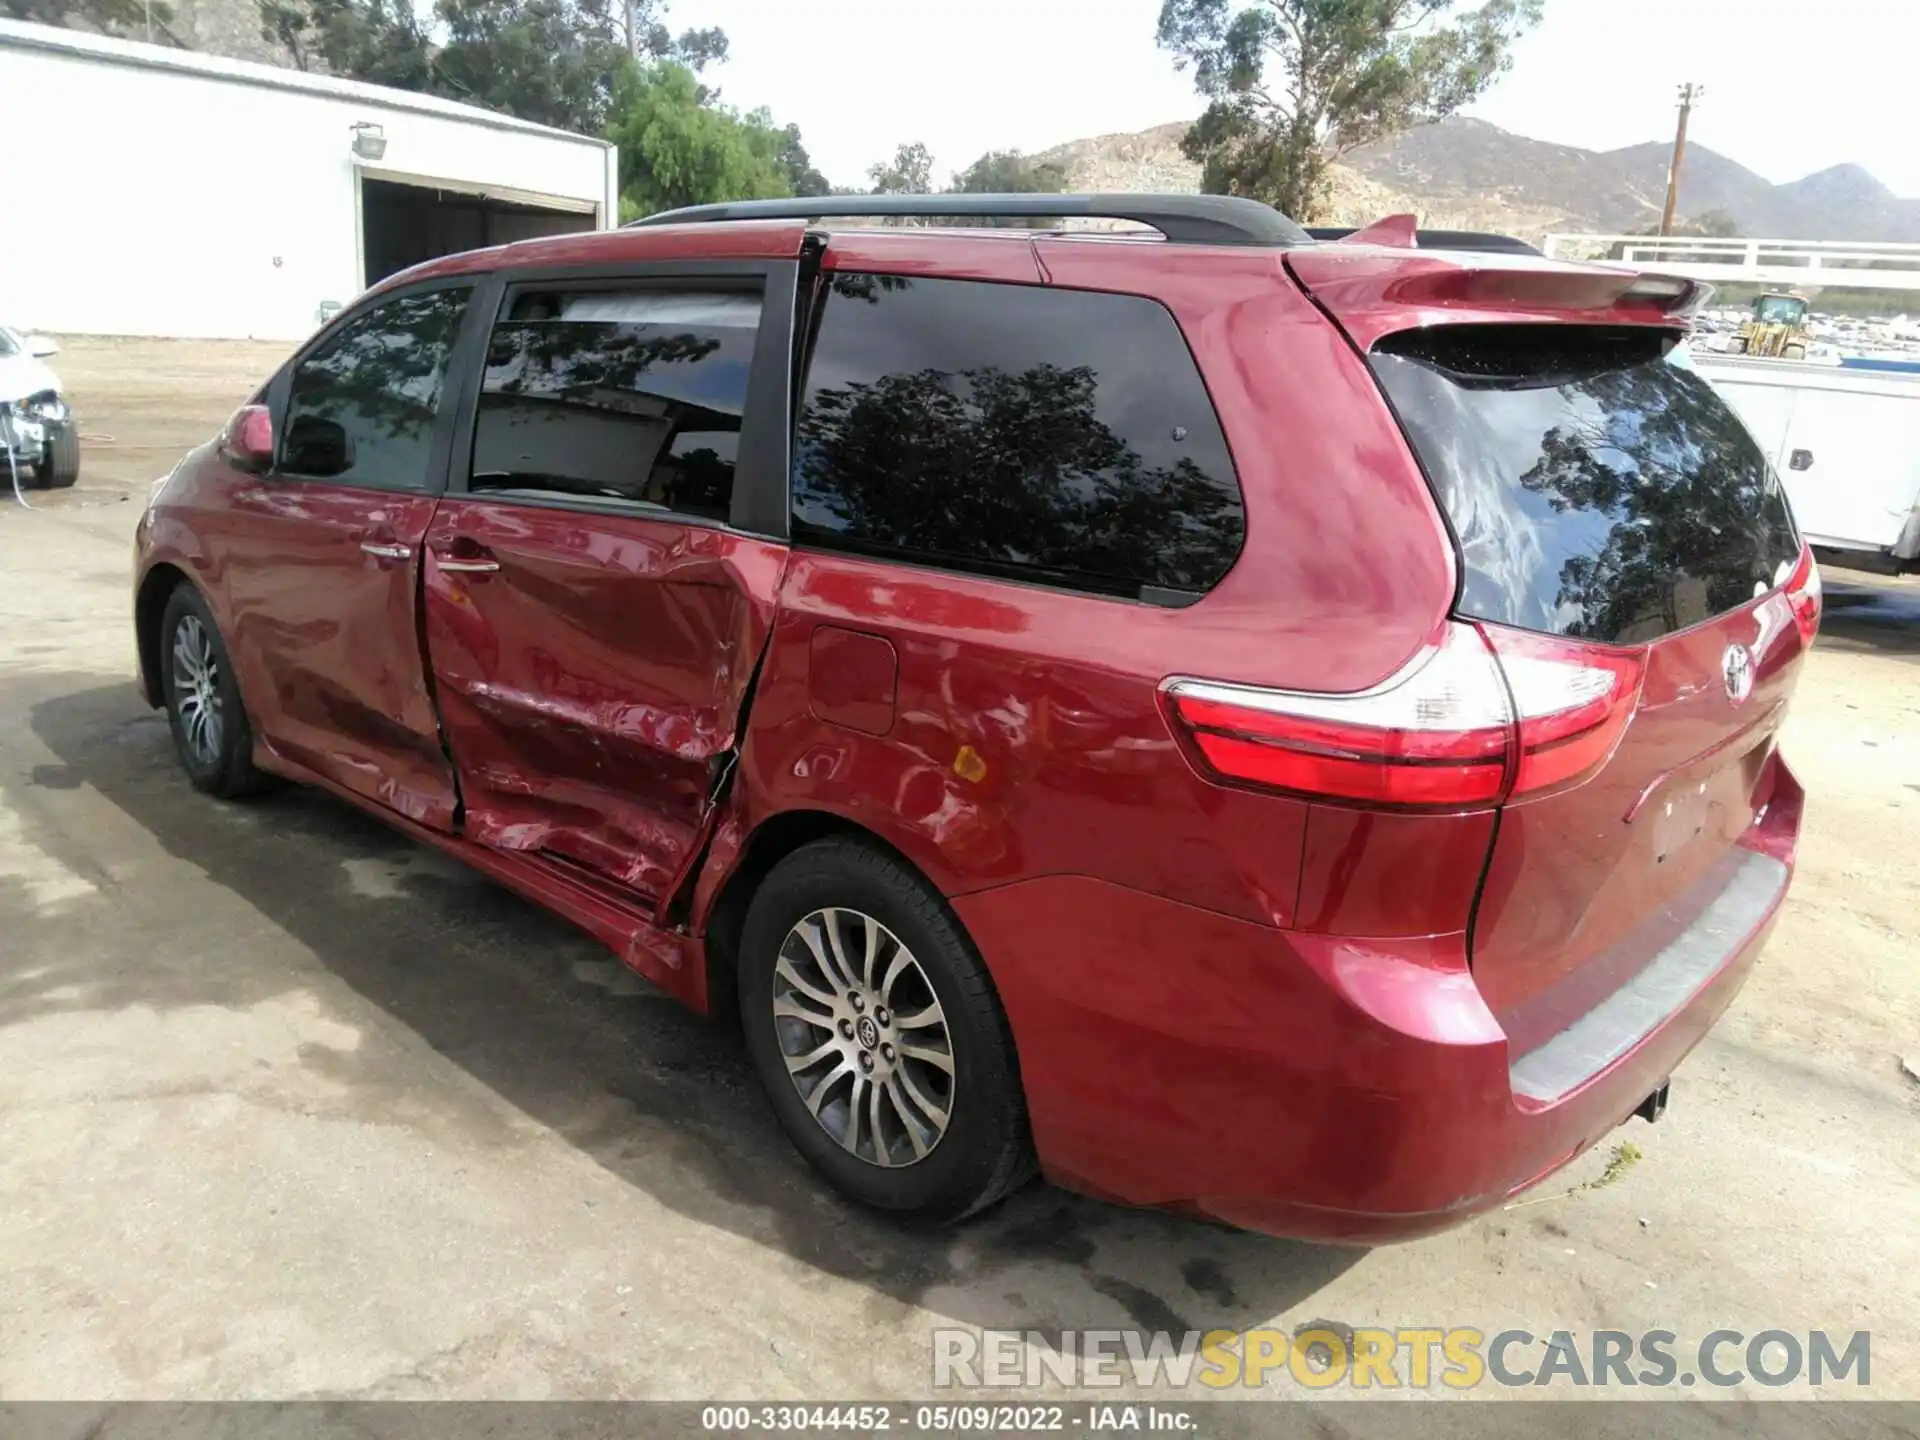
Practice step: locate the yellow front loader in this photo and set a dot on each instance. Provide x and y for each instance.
(1778, 328)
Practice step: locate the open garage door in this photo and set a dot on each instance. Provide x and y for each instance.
(402, 224)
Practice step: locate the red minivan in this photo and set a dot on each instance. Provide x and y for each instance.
(1279, 728)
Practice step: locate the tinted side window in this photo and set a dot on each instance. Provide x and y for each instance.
(361, 407)
(629, 395)
(1054, 435)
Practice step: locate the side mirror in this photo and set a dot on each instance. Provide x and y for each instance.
(41, 346)
(317, 446)
(247, 441)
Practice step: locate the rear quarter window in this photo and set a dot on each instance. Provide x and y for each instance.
(1599, 486)
(1057, 436)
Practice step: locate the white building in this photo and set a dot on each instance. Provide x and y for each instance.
(152, 191)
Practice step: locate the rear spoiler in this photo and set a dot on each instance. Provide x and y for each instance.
(1373, 290)
(1485, 242)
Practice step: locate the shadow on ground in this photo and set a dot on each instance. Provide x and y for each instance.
(1869, 617)
(552, 1025)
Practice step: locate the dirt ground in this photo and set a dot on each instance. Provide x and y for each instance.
(144, 403)
(292, 1107)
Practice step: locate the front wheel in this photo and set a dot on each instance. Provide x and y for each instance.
(878, 1036)
(210, 729)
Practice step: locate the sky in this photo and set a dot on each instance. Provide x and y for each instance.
(1792, 86)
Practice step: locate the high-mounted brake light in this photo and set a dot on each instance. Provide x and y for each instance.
(1659, 287)
(1449, 731)
(1671, 293)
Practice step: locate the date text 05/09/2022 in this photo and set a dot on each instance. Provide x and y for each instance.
(928, 1419)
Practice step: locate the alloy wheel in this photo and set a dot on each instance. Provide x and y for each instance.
(863, 1037)
(196, 690)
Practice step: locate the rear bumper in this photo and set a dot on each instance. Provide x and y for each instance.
(1313, 1086)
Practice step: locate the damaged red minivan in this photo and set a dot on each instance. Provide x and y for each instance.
(1274, 727)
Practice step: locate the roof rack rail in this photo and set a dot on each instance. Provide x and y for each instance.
(1483, 241)
(1182, 219)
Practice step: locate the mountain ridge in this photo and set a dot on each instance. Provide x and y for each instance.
(1470, 174)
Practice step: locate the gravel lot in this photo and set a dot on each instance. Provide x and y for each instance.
(292, 1107)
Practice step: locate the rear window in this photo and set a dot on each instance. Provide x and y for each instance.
(1057, 436)
(1599, 487)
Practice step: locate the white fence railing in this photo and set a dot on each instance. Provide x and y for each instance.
(1858, 264)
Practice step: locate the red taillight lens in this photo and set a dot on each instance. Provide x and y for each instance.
(1486, 714)
(1572, 702)
(1803, 595)
(1436, 735)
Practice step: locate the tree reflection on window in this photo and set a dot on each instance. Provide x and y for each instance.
(1011, 471)
(1696, 519)
(361, 408)
(1056, 435)
(1600, 488)
(640, 400)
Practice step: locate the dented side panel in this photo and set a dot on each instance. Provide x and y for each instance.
(591, 687)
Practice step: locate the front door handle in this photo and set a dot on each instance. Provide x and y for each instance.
(384, 550)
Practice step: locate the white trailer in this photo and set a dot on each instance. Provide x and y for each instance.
(1846, 443)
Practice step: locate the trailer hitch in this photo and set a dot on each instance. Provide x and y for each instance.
(1655, 1105)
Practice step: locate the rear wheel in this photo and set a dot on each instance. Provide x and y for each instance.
(210, 729)
(878, 1036)
(61, 467)
(1794, 352)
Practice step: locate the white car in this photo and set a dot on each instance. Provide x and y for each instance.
(36, 425)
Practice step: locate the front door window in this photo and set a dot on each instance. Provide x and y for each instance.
(362, 406)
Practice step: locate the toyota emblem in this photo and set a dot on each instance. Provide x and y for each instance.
(1736, 668)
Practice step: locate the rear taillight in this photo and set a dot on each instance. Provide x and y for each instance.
(1803, 595)
(1436, 734)
(1572, 700)
(1449, 731)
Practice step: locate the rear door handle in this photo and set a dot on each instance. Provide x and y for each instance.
(466, 557)
(385, 550)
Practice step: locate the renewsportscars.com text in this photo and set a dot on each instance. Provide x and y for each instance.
(1319, 1357)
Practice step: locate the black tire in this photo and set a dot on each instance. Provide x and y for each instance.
(61, 467)
(1794, 352)
(986, 1149)
(224, 767)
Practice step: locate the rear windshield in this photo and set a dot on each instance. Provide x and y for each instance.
(1598, 485)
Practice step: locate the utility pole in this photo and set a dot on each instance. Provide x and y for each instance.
(1688, 94)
